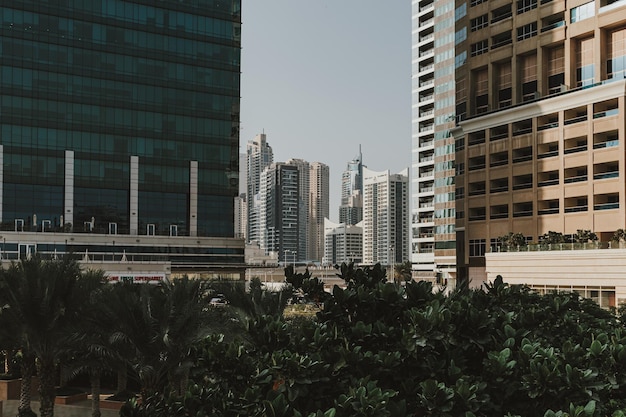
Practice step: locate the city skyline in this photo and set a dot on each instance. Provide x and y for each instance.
(351, 79)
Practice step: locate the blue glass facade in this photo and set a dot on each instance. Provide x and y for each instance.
(110, 80)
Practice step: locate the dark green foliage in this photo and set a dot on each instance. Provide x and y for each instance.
(512, 240)
(584, 236)
(552, 238)
(381, 349)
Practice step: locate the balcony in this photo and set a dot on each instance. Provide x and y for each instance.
(574, 179)
(576, 209)
(606, 175)
(553, 26)
(606, 113)
(606, 206)
(606, 144)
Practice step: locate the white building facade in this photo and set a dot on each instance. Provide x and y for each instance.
(342, 243)
(385, 217)
(259, 156)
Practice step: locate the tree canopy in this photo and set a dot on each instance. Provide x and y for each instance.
(378, 348)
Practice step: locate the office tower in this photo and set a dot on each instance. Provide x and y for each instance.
(318, 209)
(433, 117)
(303, 206)
(241, 216)
(351, 207)
(541, 137)
(120, 129)
(279, 214)
(385, 217)
(260, 156)
(342, 243)
(241, 203)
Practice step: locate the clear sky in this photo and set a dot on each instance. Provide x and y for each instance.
(321, 77)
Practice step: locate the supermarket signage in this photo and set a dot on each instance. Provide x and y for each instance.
(136, 278)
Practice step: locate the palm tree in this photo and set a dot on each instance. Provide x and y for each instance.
(157, 328)
(93, 352)
(47, 299)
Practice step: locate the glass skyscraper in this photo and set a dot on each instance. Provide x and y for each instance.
(120, 117)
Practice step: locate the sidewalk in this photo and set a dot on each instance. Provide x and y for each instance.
(79, 409)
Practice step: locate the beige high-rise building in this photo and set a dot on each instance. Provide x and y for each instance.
(319, 208)
(540, 138)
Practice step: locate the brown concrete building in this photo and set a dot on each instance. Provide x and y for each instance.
(540, 137)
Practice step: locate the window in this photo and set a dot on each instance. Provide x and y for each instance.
(501, 13)
(501, 39)
(584, 62)
(556, 69)
(528, 64)
(526, 5)
(460, 36)
(583, 12)
(552, 22)
(477, 247)
(460, 59)
(476, 2)
(504, 84)
(480, 47)
(479, 23)
(481, 82)
(527, 31)
(524, 209)
(476, 188)
(499, 212)
(460, 12)
(459, 144)
(461, 98)
(616, 59)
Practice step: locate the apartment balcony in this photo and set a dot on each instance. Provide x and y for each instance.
(611, 5)
(425, 38)
(426, 67)
(426, 97)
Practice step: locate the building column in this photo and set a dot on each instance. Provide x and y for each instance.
(193, 198)
(68, 199)
(134, 195)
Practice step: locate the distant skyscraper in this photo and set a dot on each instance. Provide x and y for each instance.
(318, 209)
(385, 217)
(279, 204)
(241, 203)
(260, 156)
(351, 208)
(304, 193)
(433, 118)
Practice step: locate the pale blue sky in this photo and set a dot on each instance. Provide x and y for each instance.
(323, 76)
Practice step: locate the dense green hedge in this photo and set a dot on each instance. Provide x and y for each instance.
(381, 349)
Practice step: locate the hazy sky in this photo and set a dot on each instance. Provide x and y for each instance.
(321, 77)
